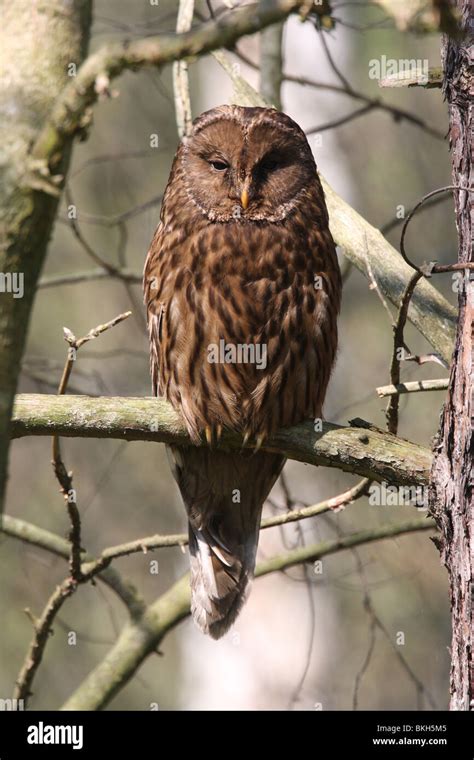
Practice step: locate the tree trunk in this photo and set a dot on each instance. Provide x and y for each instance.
(38, 41)
(451, 489)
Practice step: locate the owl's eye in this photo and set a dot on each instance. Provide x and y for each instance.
(269, 164)
(219, 166)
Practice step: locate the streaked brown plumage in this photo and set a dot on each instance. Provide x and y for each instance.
(243, 254)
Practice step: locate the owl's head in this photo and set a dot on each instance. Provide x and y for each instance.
(246, 163)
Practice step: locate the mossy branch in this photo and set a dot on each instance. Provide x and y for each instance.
(361, 449)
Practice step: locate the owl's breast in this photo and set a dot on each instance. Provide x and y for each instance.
(247, 333)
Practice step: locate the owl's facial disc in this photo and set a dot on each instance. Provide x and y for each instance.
(254, 171)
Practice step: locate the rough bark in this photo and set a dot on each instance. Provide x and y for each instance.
(451, 491)
(38, 41)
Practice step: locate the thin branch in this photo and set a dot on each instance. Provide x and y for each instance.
(429, 268)
(62, 475)
(396, 220)
(398, 114)
(415, 386)
(314, 552)
(391, 413)
(126, 275)
(418, 78)
(72, 111)
(340, 120)
(96, 331)
(42, 632)
(111, 221)
(110, 268)
(60, 547)
(332, 63)
(69, 585)
(376, 623)
(328, 505)
(363, 668)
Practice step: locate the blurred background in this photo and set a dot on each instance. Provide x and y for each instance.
(304, 640)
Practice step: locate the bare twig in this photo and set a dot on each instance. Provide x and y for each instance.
(398, 346)
(396, 220)
(63, 476)
(415, 386)
(398, 114)
(431, 267)
(40, 638)
(126, 275)
(111, 221)
(328, 505)
(110, 268)
(363, 668)
(418, 78)
(340, 120)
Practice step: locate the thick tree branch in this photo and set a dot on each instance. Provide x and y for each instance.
(364, 451)
(72, 110)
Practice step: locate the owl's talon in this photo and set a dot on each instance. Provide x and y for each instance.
(219, 432)
(209, 436)
(259, 441)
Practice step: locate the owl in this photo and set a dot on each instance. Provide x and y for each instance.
(242, 290)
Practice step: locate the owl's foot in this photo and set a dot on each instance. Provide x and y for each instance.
(213, 434)
(259, 439)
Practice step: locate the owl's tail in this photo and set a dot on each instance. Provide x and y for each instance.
(223, 494)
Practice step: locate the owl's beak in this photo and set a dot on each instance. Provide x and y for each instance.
(244, 198)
